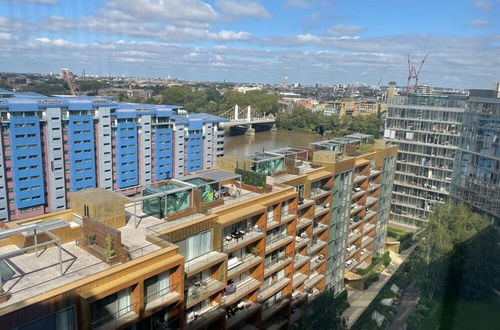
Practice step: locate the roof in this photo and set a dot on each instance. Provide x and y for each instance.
(100, 196)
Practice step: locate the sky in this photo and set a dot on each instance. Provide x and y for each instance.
(256, 41)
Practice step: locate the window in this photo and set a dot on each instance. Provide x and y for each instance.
(156, 286)
(196, 245)
(270, 214)
(110, 308)
(60, 320)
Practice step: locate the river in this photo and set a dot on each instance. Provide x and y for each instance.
(267, 140)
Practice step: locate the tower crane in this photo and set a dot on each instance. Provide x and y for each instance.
(413, 73)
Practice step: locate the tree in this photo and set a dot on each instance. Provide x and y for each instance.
(453, 257)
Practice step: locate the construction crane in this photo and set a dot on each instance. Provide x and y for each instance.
(66, 75)
(413, 74)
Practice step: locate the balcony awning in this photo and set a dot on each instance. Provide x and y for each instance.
(319, 175)
(239, 214)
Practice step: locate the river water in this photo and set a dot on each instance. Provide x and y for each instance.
(245, 145)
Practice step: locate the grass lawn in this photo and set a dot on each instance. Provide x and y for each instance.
(462, 314)
(397, 231)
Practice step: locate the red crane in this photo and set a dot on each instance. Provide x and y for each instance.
(413, 74)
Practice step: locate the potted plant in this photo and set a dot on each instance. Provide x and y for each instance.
(4, 296)
(109, 252)
(255, 251)
(90, 239)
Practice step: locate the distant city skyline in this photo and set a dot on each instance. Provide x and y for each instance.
(256, 41)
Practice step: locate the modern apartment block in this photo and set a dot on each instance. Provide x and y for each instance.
(51, 146)
(426, 128)
(244, 246)
(476, 172)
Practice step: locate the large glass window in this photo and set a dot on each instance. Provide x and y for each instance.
(110, 308)
(156, 286)
(60, 320)
(196, 245)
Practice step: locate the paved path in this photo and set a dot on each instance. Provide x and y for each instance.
(359, 300)
(409, 301)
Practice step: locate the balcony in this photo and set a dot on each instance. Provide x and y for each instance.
(316, 262)
(287, 217)
(351, 250)
(354, 222)
(303, 222)
(200, 290)
(315, 247)
(321, 209)
(203, 262)
(317, 193)
(353, 236)
(313, 280)
(369, 214)
(366, 240)
(298, 297)
(320, 227)
(116, 319)
(298, 279)
(238, 240)
(300, 260)
(269, 290)
(301, 242)
(371, 200)
(237, 265)
(374, 173)
(355, 208)
(358, 178)
(272, 243)
(268, 312)
(241, 289)
(349, 264)
(303, 203)
(162, 297)
(357, 193)
(204, 317)
(373, 186)
(242, 314)
(368, 227)
(280, 263)
(365, 254)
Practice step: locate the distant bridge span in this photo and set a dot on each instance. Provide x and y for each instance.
(246, 121)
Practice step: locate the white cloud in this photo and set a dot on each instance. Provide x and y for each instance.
(166, 11)
(483, 5)
(343, 30)
(151, 30)
(238, 9)
(479, 23)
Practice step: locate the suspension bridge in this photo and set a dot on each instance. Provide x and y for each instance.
(246, 120)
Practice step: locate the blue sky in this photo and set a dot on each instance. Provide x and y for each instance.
(257, 41)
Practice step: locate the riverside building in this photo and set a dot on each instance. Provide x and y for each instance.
(426, 128)
(52, 146)
(246, 245)
(476, 171)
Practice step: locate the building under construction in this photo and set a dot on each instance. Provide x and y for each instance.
(426, 128)
(476, 177)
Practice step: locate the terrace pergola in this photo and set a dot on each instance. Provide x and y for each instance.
(209, 183)
(34, 230)
(268, 163)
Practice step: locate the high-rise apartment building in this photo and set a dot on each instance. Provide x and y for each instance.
(426, 129)
(244, 246)
(476, 172)
(51, 146)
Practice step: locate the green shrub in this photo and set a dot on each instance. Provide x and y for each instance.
(252, 178)
(109, 251)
